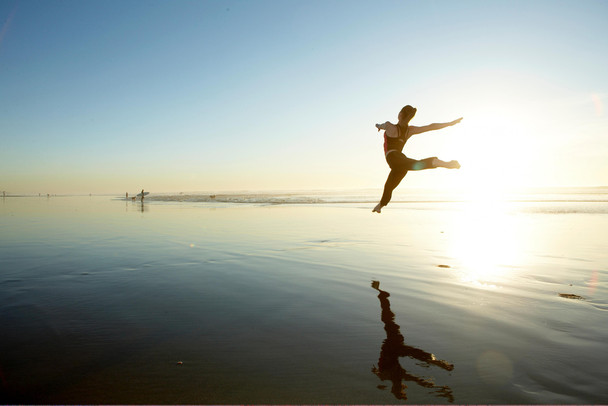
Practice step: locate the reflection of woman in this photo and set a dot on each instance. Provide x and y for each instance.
(394, 347)
(395, 137)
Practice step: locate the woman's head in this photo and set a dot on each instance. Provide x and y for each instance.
(406, 114)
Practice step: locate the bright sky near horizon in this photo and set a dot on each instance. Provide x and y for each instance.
(115, 96)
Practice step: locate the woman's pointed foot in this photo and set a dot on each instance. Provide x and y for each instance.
(453, 165)
(378, 208)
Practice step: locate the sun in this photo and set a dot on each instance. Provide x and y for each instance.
(497, 155)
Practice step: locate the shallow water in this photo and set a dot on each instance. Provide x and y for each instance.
(443, 302)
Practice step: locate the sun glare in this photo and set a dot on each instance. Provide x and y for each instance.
(495, 164)
(497, 155)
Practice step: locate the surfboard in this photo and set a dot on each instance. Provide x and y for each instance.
(145, 194)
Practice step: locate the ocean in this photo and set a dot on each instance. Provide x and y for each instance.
(305, 297)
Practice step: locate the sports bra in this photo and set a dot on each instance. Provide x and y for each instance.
(395, 144)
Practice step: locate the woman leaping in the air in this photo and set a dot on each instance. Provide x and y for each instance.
(395, 137)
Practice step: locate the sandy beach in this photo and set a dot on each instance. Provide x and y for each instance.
(196, 302)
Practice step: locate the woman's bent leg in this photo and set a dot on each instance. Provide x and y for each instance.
(431, 163)
(393, 180)
(428, 163)
(400, 164)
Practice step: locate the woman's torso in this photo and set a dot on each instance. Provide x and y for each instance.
(395, 138)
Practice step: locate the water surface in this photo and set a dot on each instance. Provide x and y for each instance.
(309, 302)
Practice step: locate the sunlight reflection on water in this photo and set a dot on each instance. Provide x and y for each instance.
(488, 242)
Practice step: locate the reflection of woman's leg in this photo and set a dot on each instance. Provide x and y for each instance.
(393, 180)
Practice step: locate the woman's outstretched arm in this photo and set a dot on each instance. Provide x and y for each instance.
(432, 127)
(382, 126)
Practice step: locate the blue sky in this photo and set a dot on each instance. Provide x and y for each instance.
(114, 96)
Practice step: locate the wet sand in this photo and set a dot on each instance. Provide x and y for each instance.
(107, 301)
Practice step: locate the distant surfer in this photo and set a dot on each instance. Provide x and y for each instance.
(395, 137)
(142, 195)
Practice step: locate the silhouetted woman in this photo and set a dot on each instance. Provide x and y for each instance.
(395, 137)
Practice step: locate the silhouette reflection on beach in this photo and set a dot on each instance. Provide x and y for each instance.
(394, 347)
(136, 205)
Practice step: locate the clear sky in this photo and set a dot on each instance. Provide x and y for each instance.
(114, 96)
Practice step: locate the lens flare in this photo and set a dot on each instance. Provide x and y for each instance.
(593, 282)
(494, 368)
(7, 24)
(597, 103)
